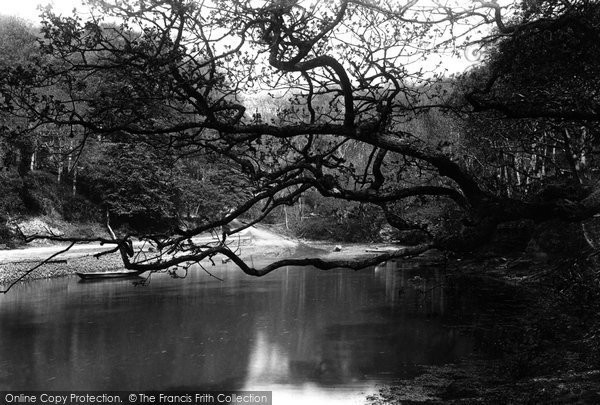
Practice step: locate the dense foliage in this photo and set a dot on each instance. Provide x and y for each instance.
(548, 142)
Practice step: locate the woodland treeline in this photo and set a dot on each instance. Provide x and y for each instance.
(329, 118)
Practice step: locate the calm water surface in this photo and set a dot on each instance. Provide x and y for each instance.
(302, 333)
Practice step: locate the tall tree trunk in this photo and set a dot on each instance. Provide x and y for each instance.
(74, 180)
(32, 164)
(571, 155)
(25, 157)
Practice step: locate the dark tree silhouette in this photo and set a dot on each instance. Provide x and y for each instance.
(176, 74)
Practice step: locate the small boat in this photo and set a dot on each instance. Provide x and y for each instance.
(94, 275)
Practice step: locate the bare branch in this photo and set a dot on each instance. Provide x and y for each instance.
(47, 260)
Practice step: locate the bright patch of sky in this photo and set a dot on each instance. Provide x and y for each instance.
(28, 9)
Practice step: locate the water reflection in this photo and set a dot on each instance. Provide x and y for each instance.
(293, 329)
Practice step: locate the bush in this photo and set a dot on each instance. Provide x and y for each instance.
(41, 194)
(555, 329)
(5, 234)
(11, 190)
(134, 184)
(77, 208)
(359, 228)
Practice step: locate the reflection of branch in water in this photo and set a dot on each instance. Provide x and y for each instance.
(144, 281)
(422, 292)
(209, 273)
(173, 272)
(428, 290)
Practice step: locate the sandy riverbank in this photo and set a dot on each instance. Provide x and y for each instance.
(256, 244)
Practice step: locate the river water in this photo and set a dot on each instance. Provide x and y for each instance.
(307, 335)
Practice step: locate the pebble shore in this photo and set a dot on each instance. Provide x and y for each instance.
(10, 271)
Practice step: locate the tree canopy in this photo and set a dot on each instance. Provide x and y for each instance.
(362, 109)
